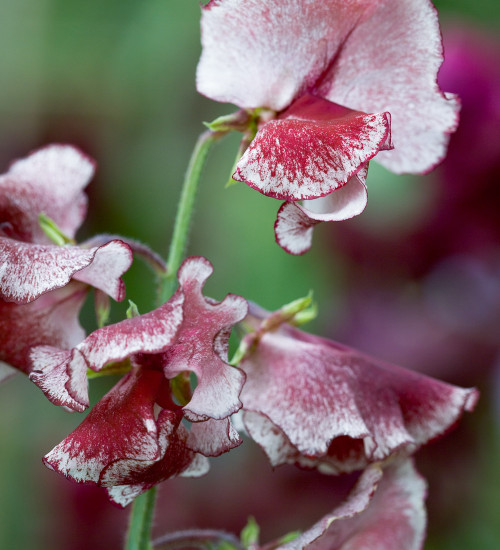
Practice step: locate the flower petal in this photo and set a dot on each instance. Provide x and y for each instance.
(294, 224)
(318, 403)
(6, 371)
(390, 63)
(264, 54)
(29, 270)
(110, 262)
(50, 320)
(129, 477)
(386, 514)
(150, 333)
(201, 345)
(60, 373)
(51, 181)
(121, 426)
(64, 382)
(314, 148)
(213, 437)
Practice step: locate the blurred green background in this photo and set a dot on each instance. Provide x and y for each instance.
(117, 79)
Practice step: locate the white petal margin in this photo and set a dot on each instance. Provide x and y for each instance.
(294, 224)
(383, 512)
(390, 62)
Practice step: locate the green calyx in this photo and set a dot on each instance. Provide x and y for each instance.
(52, 230)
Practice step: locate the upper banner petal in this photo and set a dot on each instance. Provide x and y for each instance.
(110, 262)
(150, 333)
(314, 148)
(29, 270)
(390, 63)
(50, 180)
(264, 54)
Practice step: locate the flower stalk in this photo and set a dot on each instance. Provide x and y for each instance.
(141, 519)
(185, 211)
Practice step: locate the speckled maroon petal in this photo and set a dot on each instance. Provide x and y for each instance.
(317, 403)
(62, 383)
(201, 345)
(50, 180)
(379, 514)
(121, 426)
(150, 333)
(127, 478)
(314, 148)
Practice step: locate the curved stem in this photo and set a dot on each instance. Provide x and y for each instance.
(185, 211)
(141, 519)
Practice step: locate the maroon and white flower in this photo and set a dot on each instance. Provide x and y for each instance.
(40, 296)
(336, 81)
(133, 438)
(50, 181)
(384, 511)
(316, 403)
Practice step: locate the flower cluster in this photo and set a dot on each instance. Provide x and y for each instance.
(133, 438)
(324, 88)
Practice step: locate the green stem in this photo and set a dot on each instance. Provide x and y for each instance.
(141, 519)
(185, 211)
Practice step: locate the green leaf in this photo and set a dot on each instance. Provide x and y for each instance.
(133, 310)
(51, 229)
(289, 537)
(250, 533)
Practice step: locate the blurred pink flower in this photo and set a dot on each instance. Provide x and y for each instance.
(318, 69)
(384, 511)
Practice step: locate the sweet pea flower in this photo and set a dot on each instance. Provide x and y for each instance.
(316, 403)
(42, 285)
(334, 83)
(133, 438)
(384, 511)
(50, 181)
